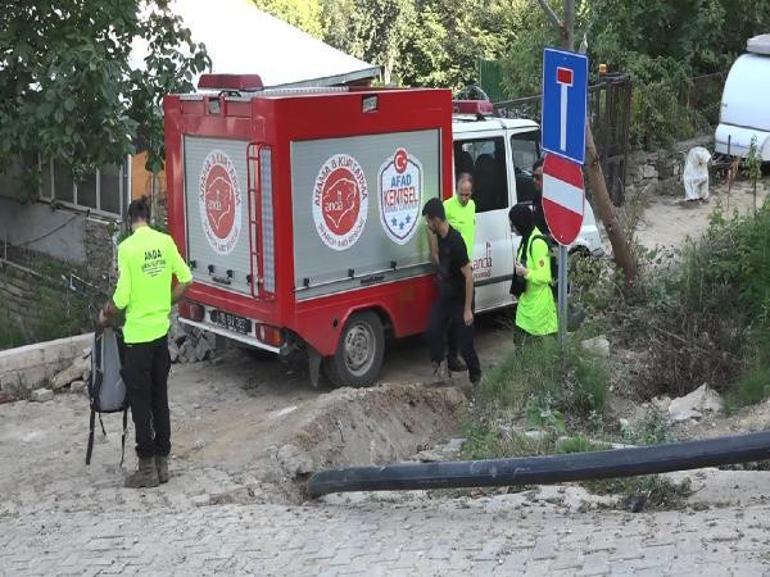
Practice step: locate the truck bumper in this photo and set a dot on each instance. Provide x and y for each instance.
(251, 341)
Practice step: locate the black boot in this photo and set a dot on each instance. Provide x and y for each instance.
(161, 463)
(146, 475)
(455, 365)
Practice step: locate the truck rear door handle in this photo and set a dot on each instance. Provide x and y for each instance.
(222, 280)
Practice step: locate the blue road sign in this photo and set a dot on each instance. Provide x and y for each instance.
(565, 103)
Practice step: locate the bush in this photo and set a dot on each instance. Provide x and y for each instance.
(701, 315)
(536, 385)
(538, 378)
(11, 334)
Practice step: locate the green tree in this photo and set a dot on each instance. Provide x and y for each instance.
(450, 37)
(304, 14)
(374, 30)
(68, 88)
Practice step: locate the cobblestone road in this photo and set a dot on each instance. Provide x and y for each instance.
(399, 536)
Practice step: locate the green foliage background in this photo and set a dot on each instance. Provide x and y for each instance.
(662, 44)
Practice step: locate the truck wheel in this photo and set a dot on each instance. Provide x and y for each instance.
(360, 352)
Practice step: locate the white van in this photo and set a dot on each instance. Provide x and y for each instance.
(745, 113)
(499, 153)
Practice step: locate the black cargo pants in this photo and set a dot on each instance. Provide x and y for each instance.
(448, 310)
(145, 372)
(452, 335)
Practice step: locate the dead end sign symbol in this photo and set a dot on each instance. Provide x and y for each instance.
(565, 103)
(564, 77)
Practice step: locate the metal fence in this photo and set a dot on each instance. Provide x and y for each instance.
(609, 108)
(625, 116)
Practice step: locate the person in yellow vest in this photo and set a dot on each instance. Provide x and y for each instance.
(460, 212)
(536, 309)
(148, 261)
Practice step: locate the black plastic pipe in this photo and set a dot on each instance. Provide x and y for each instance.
(545, 470)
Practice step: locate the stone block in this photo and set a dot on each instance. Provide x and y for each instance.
(41, 395)
(78, 388)
(598, 346)
(76, 371)
(11, 383)
(202, 350)
(173, 351)
(649, 171)
(665, 167)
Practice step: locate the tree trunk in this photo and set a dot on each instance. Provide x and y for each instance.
(568, 30)
(620, 248)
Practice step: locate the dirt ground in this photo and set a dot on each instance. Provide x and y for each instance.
(668, 221)
(248, 430)
(243, 430)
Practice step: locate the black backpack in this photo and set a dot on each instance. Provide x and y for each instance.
(106, 389)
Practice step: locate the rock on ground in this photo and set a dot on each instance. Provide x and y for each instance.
(701, 400)
(598, 346)
(80, 369)
(41, 395)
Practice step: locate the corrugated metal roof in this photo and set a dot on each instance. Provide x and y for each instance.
(242, 39)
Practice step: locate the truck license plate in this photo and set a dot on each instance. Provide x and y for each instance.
(231, 322)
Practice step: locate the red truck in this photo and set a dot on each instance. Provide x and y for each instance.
(299, 212)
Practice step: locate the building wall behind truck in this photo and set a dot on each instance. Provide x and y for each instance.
(37, 226)
(83, 243)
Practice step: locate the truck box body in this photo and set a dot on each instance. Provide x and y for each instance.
(296, 209)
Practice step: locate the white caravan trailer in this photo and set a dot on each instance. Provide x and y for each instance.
(745, 107)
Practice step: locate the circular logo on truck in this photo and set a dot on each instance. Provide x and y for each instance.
(220, 202)
(400, 184)
(340, 202)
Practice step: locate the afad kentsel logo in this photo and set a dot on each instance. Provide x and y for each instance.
(340, 202)
(220, 202)
(400, 188)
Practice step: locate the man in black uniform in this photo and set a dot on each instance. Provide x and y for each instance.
(455, 279)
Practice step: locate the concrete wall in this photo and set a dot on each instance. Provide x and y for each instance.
(64, 231)
(65, 235)
(25, 369)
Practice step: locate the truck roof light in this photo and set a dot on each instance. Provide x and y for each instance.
(478, 107)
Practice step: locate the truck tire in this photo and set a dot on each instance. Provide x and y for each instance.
(360, 352)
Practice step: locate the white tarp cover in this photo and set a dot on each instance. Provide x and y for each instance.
(759, 44)
(696, 174)
(241, 39)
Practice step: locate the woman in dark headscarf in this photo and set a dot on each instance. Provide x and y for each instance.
(536, 310)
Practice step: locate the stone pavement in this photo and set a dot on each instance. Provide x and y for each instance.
(398, 535)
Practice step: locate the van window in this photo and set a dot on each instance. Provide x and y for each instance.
(525, 149)
(484, 158)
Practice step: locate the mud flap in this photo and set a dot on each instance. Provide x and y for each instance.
(314, 365)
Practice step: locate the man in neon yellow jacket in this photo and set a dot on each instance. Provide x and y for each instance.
(536, 310)
(148, 261)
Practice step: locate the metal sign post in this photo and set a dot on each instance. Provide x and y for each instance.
(563, 266)
(565, 107)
